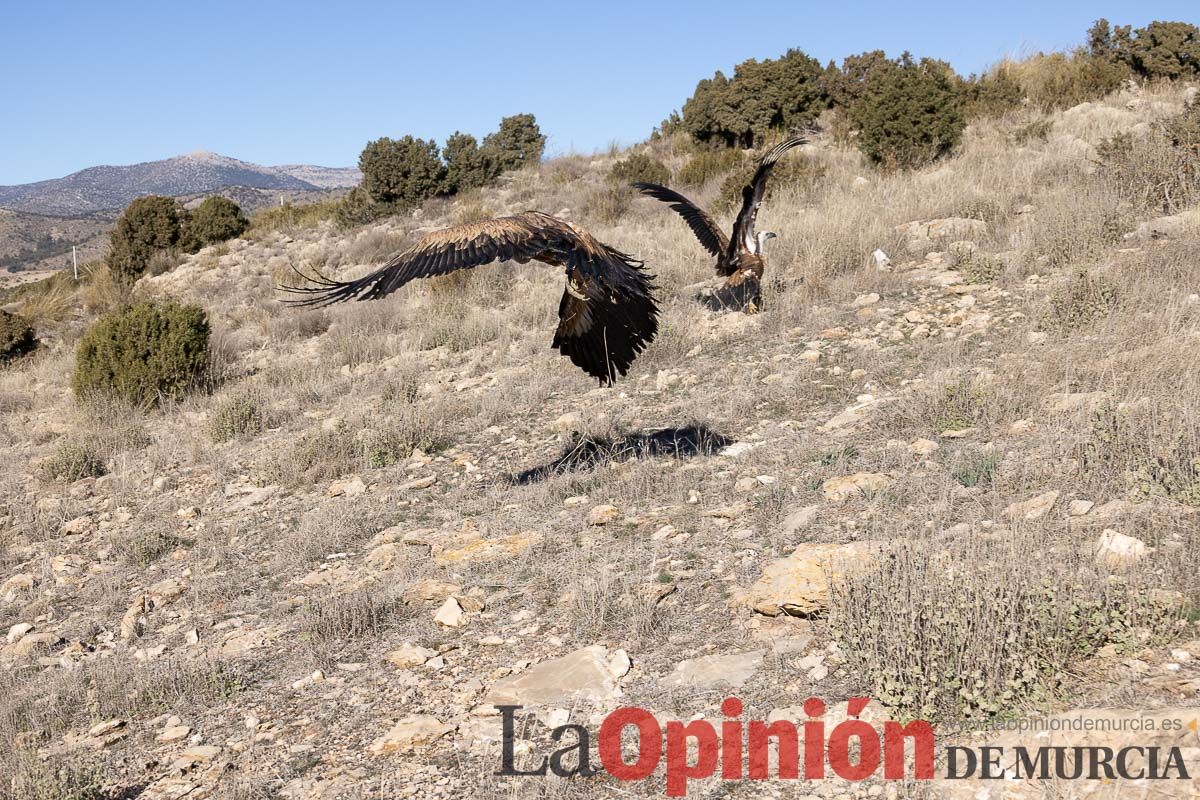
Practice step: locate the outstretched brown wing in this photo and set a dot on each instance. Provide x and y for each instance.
(752, 195)
(710, 236)
(606, 317)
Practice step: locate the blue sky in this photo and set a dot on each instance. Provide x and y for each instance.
(286, 82)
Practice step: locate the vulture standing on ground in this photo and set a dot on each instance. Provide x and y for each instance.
(607, 314)
(739, 258)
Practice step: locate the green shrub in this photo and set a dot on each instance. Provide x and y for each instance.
(908, 114)
(74, 461)
(639, 167)
(976, 469)
(241, 416)
(149, 224)
(406, 170)
(518, 142)
(1150, 452)
(787, 93)
(467, 166)
(708, 164)
(16, 337)
(847, 84)
(143, 354)
(1159, 50)
(217, 219)
(357, 208)
(992, 94)
(288, 216)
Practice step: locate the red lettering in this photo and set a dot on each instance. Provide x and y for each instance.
(678, 769)
(649, 743)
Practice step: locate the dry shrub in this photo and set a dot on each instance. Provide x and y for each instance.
(606, 205)
(1081, 301)
(1147, 449)
(1159, 172)
(143, 546)
(1062, 80)
(28, 777)
(980, 625)
(708, 164)
(242, 415)
(332, 453)
(54, 304)
(73, 461)
(330, 624)
(964, 402)
(1073, 225)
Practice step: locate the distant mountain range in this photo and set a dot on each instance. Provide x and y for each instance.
(39, 222)
(107, 188)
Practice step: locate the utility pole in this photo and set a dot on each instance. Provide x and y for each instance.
(75, 262)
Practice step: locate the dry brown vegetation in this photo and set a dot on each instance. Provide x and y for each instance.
(206, 559)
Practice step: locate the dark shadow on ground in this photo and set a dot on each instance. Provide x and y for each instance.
(588, 452)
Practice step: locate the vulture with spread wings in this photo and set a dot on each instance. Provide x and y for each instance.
(607, 314)
(739, 257)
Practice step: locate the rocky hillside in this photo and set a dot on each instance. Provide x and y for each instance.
(952, 466)
(109, 187)
(323, 177)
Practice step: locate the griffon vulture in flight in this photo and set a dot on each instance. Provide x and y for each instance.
(740, 257)
(607, 314)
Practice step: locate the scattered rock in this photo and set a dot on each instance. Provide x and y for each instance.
(1032, 509)
(860, 483)
(450, 614)
(410, 733)
(711, 672)
(410, 655)
(602, 515)
(799, 584)
(591, 673)
(1118, 549)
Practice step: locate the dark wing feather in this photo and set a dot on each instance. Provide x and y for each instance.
(710, 236)
(752, 195)
(601, 335)
(438, 253)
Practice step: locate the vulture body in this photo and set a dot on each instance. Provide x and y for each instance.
(607, 314)
(739, 256)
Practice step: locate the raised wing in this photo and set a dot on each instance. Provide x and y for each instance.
(752, 195)
(710, 236)
(607, 314)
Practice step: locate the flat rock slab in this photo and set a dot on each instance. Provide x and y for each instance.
(410, 733)
(709, 672)
(591, 673)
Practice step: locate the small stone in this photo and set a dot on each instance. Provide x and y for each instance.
(1032, 509)
(603, 515)
(410, 655)
(202, 754)
(1078, 508)
(109, 726)
(18, 630)
(410, 733)
(175, 733)
(860, 483)
(568, 421)
(351, 487)
(864, 300)
(419, 483)
(1117, 549)
(923, 447)
(450, 614)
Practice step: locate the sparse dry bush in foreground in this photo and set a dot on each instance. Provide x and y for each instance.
(1158, 172)
(74, 460)
(982, 624)
(242, 415)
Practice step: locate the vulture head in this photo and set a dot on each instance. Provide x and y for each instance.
(761, 239)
